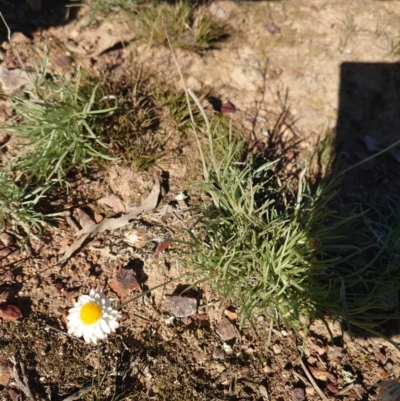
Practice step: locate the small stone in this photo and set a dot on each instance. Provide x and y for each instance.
(218, 353)
(267, 369)
(310, 391)
(219, 368)
(388, 367)
(227, 348)
(180, 306)
(19, 37)
(13, 79)
(382, 358)
(6, 239)
(263, 391)
(272, 28)
(298, 394)
(304, 320)
(226, 330)
(277, 349)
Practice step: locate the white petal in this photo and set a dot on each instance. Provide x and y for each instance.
(104, 326)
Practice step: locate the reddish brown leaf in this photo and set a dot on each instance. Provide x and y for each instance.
(117, 288)
(199, 316)
(124, 280)
(10, 312)
(7, 250)
(332, 388)
(228, 108)
(59, 287)
(13, 394)
(127, 278)
(162, 246)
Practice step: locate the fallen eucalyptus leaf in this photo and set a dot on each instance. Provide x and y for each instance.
(148, 204)
(112, 202)
(10, 312)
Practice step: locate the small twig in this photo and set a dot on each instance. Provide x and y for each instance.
(64, 333)
(301, 377)
(317, 389)
(23, 384)
(346, 389)
(80, 393)
(11, 44)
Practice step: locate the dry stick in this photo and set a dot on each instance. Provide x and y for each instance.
(80, 393)
(372, 157)
(346, 389)
(22, 385)
(203, 160)
(317, 389)
(12, 47)
(301, 377)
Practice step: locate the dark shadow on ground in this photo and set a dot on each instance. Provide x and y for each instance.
(369, 121)
(31, 17)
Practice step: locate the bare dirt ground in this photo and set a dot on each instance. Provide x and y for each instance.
(332, 64)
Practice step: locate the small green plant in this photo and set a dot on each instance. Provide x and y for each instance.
(187, 26)
(282, 249)
(17, 207)
(52, 134)
(176, 111)
(348, 29)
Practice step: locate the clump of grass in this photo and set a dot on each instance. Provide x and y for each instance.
(17, 207)
(131, 132)
(186, 25)
(52, 134)
(176, 110)
(282, 249)
(148, 120)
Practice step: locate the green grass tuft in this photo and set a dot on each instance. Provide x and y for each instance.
(187, 26)
(288, 251)
(53, 134)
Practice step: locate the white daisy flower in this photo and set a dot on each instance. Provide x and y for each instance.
(92, 317)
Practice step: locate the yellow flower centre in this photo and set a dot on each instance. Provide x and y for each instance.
(90, 313)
